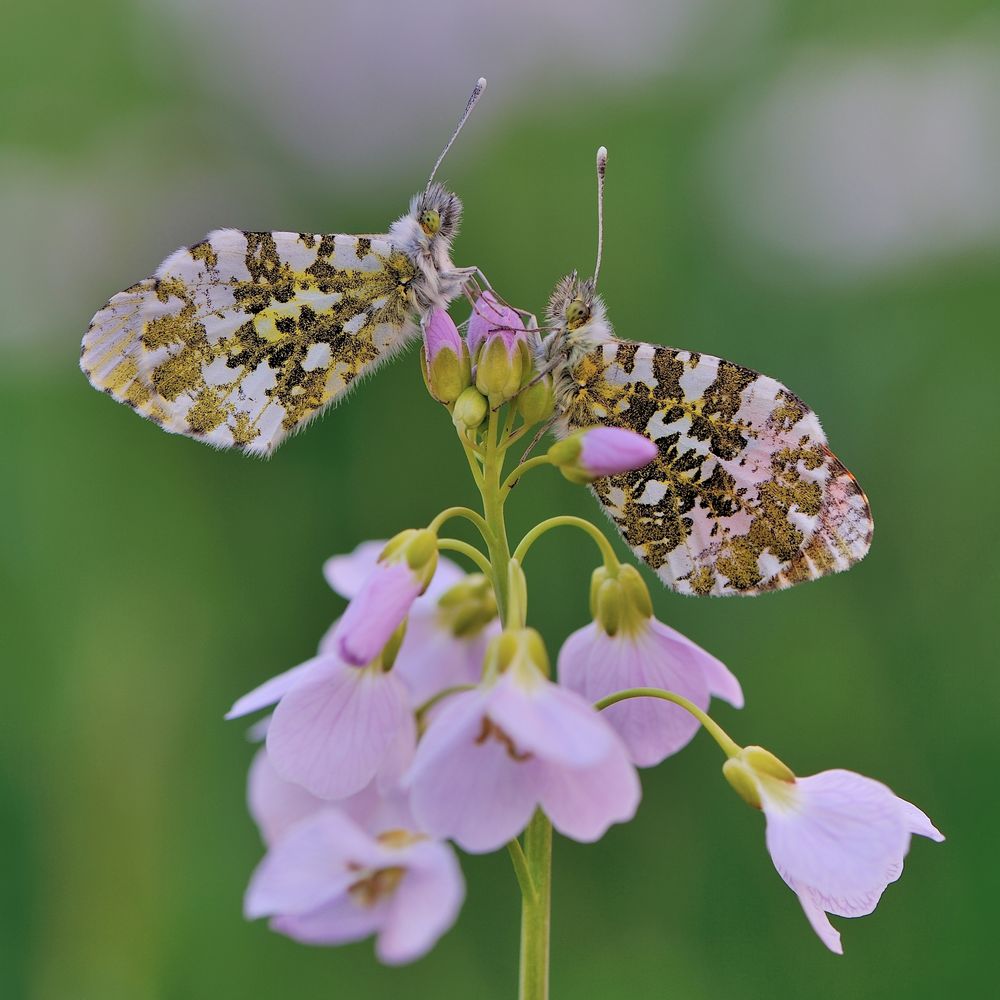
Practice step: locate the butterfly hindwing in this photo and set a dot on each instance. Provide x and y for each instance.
(745, 495)
(244, 337)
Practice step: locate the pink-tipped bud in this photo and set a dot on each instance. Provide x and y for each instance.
(601, 451)
(446, 359)
(490, 316)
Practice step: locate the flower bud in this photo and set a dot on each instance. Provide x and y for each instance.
(447, 368)
(620, 602)
(488, 316)
(470, 409)
(503, 358)
(601, 451)
(468, 607)
(536, 402)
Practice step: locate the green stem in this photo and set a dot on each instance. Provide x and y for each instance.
(467, 512)
(467, 550)
(567, 520)
(536, 910)
(531, 463)
(532, 862)
(728, 745)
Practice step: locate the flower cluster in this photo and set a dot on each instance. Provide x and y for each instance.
(430, 712)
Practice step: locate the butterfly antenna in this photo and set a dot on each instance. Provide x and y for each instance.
(602, 166)
(477, 92)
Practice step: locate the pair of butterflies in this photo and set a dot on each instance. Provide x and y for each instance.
(244, 337)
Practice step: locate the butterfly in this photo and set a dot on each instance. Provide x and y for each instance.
(244, 337)
(744, 496)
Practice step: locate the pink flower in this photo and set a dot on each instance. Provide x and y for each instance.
(277, 805)
(626, 647)
(587, 455)
(449, 626)
(489, 316)
(837, 838)
(335, 726)
(383, 601)
(327, 881)
(492, 755)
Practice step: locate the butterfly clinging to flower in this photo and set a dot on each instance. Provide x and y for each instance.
(244, 337)
(744, 495)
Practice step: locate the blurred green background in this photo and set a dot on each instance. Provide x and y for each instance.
(809, 189)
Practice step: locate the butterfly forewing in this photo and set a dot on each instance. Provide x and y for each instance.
(242, 338)
(744, 496)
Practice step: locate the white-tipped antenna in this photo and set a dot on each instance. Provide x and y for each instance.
(477, 92)
(602, 166)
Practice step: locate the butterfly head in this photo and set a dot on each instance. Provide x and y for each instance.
(576, 309)
(437, 212)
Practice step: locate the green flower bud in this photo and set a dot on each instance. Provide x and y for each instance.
(470, 409)
(755, 768)
(620, 601)
(468, 607)
(520, 649)
(535, 403)
(500, 367)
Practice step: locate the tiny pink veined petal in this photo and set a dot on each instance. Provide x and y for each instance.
(424, 906)
(276, 805)
(583, 802)
(274, 689)
(819, 921)
(610, 451)
(376, 611)
(596, 665)
(310, 866)
(332, 734)
(552, 722)
(467, 783)
(487, 316)
(838, 839)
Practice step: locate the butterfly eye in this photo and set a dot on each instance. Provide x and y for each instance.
(430, 221)
(577, 313)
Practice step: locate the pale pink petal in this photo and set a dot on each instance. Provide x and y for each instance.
(917, 822)
(424, 906)
(274, 689)
(338, 922)
(597, 665)
(819, 922)
(309, 866)
(583, 802)
(432, 658)
(467, 787)
(721, 681)
(554, 723)
(346, 574)
(843, 836)
(276, 805)
(332, 734)
(399, 755)
(376, 611)
(489, 315)
(440, 333)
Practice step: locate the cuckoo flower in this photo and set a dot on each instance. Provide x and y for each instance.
(327, 881)
(492, 755)
(449, 625)
(587, 455)
(837, 838)
(489, 317)
(626, 647)
(381, 604)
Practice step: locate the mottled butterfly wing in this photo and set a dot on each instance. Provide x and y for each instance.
(745, 495)
(244, 337)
